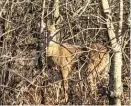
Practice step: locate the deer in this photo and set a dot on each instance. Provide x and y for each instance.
(66, 55)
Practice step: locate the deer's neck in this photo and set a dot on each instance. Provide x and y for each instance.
(55, 39)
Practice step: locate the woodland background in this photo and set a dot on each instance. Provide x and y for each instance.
(82, 23)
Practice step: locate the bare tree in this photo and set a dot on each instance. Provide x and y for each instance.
(115, 84)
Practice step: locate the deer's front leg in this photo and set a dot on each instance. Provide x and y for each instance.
(65, 73)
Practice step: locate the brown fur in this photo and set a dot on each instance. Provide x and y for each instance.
(98, 64)
(65, 56)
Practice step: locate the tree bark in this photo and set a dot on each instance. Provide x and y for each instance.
(115, 84)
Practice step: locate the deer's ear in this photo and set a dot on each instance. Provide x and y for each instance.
(51, 27)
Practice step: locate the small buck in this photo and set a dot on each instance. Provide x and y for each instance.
(66, 55)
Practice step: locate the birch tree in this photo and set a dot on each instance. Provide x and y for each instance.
(115, 84)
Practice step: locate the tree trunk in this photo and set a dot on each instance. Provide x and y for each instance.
(115, 84)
